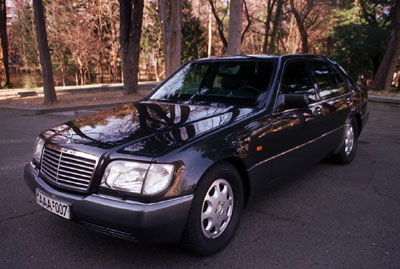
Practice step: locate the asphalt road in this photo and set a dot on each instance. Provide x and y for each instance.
(329, 216)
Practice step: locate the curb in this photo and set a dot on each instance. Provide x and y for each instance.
(38, 111)
(143, 86)
(382, 103)
(384, 99)
(147, 85)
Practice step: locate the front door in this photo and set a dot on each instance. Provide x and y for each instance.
(294, 129)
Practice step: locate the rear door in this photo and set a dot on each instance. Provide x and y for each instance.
(333, 104)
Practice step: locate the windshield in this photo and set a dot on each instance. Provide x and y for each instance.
(230, 82)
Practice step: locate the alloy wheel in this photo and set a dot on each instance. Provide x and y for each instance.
(217, 208)
(349, 139)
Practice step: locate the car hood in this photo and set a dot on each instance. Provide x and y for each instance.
(144, 128)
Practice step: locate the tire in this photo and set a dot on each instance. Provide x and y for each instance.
(349, 145)
(215, 212)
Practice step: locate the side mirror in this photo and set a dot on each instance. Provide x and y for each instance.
(292, 101)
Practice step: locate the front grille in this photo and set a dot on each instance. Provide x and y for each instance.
(68, 168)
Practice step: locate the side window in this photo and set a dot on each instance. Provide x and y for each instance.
(340, 81)
(297, 80)
(347, 78)
(330, 83)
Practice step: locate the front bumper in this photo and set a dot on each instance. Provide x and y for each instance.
(161, 222)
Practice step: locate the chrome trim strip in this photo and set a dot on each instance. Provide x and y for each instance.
(117, 199)
(73, 152)
(319, 102)
(332, 98)
(297, 147)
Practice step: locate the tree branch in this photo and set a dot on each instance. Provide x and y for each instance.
(367, 16)
(220, 26)
(248, 21)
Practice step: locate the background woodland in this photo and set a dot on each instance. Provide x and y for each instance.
(98, 41)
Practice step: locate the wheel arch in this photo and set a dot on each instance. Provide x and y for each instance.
(193, 237)
(236, 162)
(241, 168)
(355, 115)
(359, 122)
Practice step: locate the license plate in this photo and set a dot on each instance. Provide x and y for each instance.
(54, 206)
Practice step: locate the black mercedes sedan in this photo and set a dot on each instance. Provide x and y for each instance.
(181, 164)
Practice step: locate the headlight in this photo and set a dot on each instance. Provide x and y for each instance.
(158, 178)
(37, 149)
(135, 177)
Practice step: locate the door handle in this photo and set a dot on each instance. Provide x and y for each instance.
(317, 110)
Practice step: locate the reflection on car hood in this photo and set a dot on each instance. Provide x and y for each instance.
(143, 128)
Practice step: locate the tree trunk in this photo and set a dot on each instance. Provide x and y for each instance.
(384, 76)
(235, 27)
(267, 24)
(130, 31)
(301, 27)
(170, 12)
(63, 69)
(101, 71)
(156, 67)
(50, 96)
(398, 83)
(113, 64)
(82, 75)
(376, 60)
(209, 32)
(88, 75)
(176, 22)
(166, 33)
(4, 41)
(276, 23)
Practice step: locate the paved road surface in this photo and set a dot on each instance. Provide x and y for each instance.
(329, 216)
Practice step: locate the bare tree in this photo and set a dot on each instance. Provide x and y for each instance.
(235, 34)
(267, 23)
(131, 18)
(220, 24)
(300, 15)
(235, 29)
(384, 76)
(50, 96)
(170, 12)
(270, 22)
(4, 41)
(248, 18)
(275, 25)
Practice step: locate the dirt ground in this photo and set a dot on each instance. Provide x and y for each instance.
(75, 98)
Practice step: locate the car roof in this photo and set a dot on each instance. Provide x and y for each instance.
(238, 57)
(263, 56)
